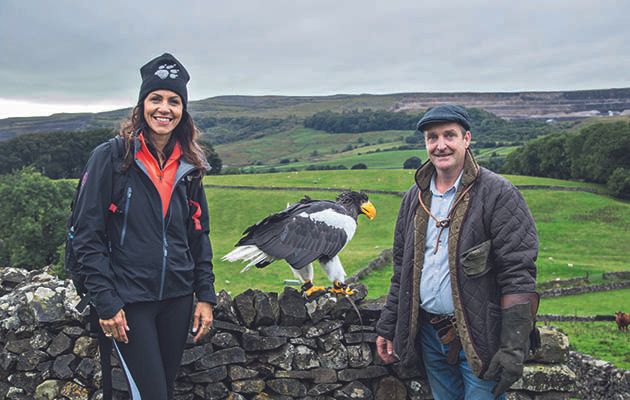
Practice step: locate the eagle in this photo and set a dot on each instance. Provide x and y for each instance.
(306, 231)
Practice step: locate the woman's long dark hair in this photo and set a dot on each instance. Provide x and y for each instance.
(185, 132)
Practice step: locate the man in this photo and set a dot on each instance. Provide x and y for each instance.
(463, 294)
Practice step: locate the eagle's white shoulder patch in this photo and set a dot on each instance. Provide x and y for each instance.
(334, 219)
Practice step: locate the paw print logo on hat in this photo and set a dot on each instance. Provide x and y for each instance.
(167, 71)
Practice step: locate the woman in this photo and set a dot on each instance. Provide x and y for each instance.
(145, 249)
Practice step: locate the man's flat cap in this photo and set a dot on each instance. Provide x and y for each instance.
(445, 113)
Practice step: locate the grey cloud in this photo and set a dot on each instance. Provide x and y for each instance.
(75, 51)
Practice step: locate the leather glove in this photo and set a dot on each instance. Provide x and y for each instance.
(506, 366)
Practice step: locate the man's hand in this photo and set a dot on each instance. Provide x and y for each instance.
(385, 350)
(116, 326)
(202, 320)
(507, 364)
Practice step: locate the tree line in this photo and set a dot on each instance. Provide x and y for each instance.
(598, 153)
(64, 154)
(485, 126)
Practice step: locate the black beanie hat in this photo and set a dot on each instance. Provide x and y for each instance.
(164, 72)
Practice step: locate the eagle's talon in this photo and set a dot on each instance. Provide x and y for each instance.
(311, 291)
(341, 288)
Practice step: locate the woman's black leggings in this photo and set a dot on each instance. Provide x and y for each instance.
(157, 336)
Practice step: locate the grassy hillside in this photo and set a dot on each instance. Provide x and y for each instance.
(579, 232)
(395, 180)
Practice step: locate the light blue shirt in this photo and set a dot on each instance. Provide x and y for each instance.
(435, 284)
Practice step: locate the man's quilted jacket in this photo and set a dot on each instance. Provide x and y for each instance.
(493, 246)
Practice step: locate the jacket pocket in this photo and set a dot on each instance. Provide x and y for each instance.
(475, 260)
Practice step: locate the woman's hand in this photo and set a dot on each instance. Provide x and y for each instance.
(116, 326)
(202, 320)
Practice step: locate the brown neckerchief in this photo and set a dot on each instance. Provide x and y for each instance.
(442, 223)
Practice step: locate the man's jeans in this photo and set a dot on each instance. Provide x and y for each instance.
(451, 381)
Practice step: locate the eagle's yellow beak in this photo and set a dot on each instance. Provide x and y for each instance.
(368, 209)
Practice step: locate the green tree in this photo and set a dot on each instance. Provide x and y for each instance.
(619, 183)
(412, 163)
(33, 216)
(359, 166)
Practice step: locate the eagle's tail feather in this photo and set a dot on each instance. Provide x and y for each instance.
(250, 254)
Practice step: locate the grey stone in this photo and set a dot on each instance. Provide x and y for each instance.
(235, 396)
(353, 374)
(544, 378)
(360, 328)
(267, 308)
(195, 353)
(63, 366)
(228, 326)
(29, 360)
(18, 346)
(282, 357)
(287, 387)
(292, 307)
(359, 356)
(224, 340)
(45, 369)
(208, 376)
(330, 341)
(236, 372)
(281, 331)
(40, 340)
(419, 389)
(554, 347)
(312, 343)
(323, 388)
(354, 390)
(360, 337)
(232, 355)
(370, 311)
(261, 343)
(224, 310)
(305, 358)
(48, 390)
(85, 347)
(321, 307)
(16, 394)
(60, 344)
(335, 359)
(244, 305)
(248, 386)
(390, 388)
(7, 361)
(317, 375)
(74, 331)
(215, 391)
(74, 391)
(86, 368)
(47, 306)
(322, 328)
(26, 381)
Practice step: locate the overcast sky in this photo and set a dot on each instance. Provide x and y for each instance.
(85, 56)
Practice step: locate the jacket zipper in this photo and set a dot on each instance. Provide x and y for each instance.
(124, 228)
(164, 228)
(165, 223)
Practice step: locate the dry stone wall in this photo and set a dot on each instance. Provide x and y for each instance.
(263, 346)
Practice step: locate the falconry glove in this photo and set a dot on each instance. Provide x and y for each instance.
(506, 366)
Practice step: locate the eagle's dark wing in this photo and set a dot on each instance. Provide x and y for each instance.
(303, 232)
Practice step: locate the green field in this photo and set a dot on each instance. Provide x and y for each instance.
(396, 180)
(299, 143)
(579, 232)
(589, 304)
(601, 340)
